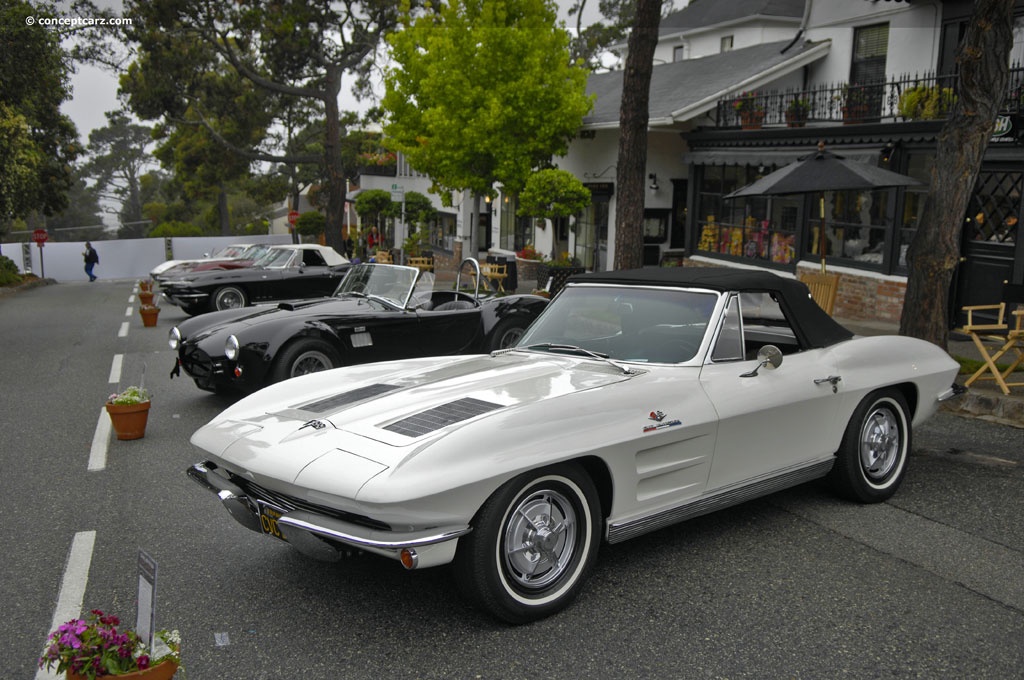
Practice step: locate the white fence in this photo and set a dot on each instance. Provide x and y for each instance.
(119, 259)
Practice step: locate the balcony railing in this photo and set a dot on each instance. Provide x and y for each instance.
(926, 97)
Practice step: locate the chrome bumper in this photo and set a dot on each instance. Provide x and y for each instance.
(954, 391)
(307, 531)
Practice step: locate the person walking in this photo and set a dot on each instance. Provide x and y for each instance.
(92, 259)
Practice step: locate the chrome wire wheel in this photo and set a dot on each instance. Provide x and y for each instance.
(311, 361)
(539, 540)
(880, 443)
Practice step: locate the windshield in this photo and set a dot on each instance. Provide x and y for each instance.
(656, 325)
(253, 252)
(275, 258)
(384, 281)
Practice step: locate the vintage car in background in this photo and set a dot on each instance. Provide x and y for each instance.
(224, 253)
(379, 312)
(286, 272)
(637, 400)
(246, 257)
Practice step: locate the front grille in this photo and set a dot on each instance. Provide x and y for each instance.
(198, 363)
(338, 400)
(286, 503)
(444, 415)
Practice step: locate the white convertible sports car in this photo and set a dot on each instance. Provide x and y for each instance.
(637, 399)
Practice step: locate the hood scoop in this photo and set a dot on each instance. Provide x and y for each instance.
(441, 416)
(336, 401)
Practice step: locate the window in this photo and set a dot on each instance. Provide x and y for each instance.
(870, 48)
(679, 53)
(729, 343)
(753, 319)
(725, 45)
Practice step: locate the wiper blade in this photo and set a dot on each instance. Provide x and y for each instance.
(576, 349)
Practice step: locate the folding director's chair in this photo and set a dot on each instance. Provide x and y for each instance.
(1001, 336)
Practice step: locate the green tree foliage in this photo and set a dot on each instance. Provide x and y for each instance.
(175, 228)
(374, 206)
(288, 50)
(310, 223)
(117, 160)
(590, 41)
(9, 274)
(82, 219)
(38, 143)
(553, 193)
(483, 92)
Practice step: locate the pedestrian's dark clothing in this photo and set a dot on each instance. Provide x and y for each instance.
(92, 258)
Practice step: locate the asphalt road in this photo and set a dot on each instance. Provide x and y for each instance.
(796, 585)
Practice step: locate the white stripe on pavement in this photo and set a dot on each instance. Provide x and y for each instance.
(123, 333)
(115, 369)
(100, 442)
(72, 587)
(128, 311)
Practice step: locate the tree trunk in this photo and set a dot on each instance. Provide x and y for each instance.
(223, 212)
(634, 115)
(983, 62)
(333, 162)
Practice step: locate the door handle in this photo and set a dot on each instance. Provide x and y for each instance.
(833, 379)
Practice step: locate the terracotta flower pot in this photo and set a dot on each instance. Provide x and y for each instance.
(146, 297)
(161, 671)
(129, 420)
(149, 315)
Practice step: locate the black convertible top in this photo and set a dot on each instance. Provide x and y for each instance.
(810, 322)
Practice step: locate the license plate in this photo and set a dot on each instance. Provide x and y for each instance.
(268, 520)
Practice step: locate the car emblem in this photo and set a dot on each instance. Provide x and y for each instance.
(659, 418)
(315, 424)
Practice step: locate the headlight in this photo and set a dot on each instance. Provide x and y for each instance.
(231, 348)
(174, 338)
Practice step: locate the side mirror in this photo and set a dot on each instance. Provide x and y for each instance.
(768, 356)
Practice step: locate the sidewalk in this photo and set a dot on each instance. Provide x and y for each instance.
(983, 400)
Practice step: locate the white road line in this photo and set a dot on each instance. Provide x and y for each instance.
(123, 333)
(131, 299)
(115, 369)
(128, 311)
(72, 587)
(100, 442)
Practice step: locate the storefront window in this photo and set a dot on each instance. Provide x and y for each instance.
(855, 227)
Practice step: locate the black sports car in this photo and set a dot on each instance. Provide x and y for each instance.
(287, 272)
(379, 312)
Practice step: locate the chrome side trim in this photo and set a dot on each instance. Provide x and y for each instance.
(360, 537)
(731, 496)
(955, 390)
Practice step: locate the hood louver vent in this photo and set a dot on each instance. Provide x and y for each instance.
(345, 398)
(434, 419)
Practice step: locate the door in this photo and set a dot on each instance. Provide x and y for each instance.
(991, 242)
(779, 418)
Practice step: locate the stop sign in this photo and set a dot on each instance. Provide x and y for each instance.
(40, 236)
(293, 217)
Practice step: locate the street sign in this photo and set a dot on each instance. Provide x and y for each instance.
(293, 217)
(40, 236)
(397, 193)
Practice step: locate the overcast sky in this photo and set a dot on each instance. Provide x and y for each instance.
(95, 90)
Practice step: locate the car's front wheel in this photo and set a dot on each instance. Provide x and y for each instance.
(228, 297)
(302, 357)
(507, 333)
(532, 545)
(873, 457)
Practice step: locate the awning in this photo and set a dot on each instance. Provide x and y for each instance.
(767, 157)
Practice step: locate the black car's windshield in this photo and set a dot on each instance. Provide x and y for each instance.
(382, 281)
(657, 325)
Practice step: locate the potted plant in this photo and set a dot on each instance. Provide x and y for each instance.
(129, 412)
(796, 112)
(377, 162)
(527, 261)
(854, 104)
(749, 109)
(149, 313)
(557, 272)
(926, 103)
(146, 291)
(93, 647)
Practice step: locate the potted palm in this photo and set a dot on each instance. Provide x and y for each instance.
(129, 412)
(93, 647)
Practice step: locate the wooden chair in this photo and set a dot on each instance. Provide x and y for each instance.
(384, 257)
(494, 273)
(995, 340)
(823, 287)
(424, 264)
